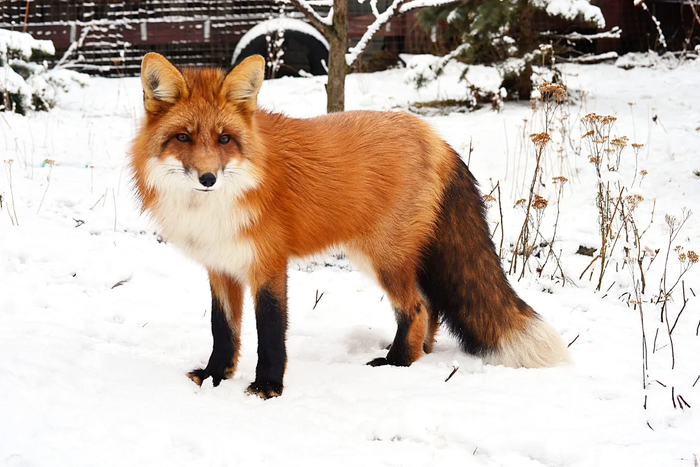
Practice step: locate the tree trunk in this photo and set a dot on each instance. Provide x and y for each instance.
(526, 44)
(337, 68)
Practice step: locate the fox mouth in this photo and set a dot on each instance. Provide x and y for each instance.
(207, 190)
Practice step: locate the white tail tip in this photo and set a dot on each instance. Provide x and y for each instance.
(539, 345)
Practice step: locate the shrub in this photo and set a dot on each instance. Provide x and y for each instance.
(26, 85)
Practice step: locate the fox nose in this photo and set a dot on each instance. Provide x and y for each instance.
(208, 179)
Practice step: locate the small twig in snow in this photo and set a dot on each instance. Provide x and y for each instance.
(97, 202)
(120, 283)
(673, 396)
(575, 338)
(454, 370)
(318, 298)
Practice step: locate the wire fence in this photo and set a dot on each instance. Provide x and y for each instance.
(110, 37)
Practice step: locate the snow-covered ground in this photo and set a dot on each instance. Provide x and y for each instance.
(99, 321)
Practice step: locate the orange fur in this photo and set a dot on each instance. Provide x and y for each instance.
(375, 183)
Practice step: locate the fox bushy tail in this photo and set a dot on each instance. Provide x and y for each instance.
(462, 278)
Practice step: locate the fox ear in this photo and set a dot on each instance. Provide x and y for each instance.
(163, 84)
(242, 84)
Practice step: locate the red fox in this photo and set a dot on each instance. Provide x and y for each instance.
(242, 190)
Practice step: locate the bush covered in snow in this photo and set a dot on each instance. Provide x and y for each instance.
(26, 85)
(501, 33)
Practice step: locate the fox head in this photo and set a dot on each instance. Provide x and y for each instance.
(198, 135)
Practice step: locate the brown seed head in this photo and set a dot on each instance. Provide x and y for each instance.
(633, 201)
(620, 142)
(554, 91)
(540, 139)
(539, 203)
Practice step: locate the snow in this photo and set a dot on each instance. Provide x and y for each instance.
(101, 321)
(570, 9)
(22, 44)
(273, 25)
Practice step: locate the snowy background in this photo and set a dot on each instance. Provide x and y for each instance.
(100, 321)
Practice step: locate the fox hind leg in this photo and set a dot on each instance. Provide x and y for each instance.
(412, 319)
(433, 326)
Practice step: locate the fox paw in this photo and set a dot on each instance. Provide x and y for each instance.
(264, 390)
(198, 375)
(381, 361)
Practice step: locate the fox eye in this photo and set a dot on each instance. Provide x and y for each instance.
(224, 139)
(182, 137)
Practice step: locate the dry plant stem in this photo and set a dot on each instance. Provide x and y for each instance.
(589, 265)
(645, 350)
(604, 247)
(554, 234)
(638, 242)
(656, 335)
(500, 212)
(48, 182)
(670, 336)
(114, 201)
(692, 30)
(664, 293)
(695, 13)
(8, 172)
(685, 302)
(674, 230)
(471, 150)
(522, 237)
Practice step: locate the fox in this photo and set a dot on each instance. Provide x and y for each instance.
(242, 190)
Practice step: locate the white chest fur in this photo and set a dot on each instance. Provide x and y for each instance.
(205, 225)
(208, 231)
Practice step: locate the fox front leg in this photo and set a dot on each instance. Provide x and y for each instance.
(271, 323)
(226, 312)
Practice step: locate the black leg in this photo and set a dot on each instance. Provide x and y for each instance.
(226, 302)
(271, 323)
(399, 353)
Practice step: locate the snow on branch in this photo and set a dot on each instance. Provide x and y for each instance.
(614, 33)
(571, 9)
(662, 38)
(306, 7)
(396, 8)
(591, 58)
(380, 20)
(414, 4)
